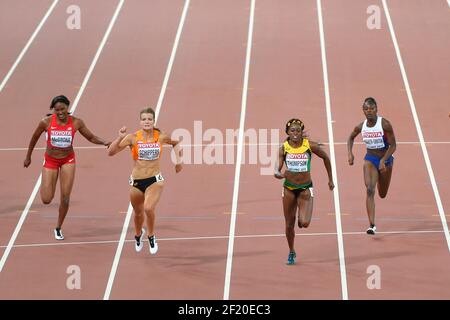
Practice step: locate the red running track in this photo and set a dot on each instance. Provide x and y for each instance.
(206, 84)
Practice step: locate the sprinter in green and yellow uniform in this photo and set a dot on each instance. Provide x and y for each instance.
(296, 153)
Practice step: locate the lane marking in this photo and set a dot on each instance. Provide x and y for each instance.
(337, 206)
(118, 254)
(230, 212)
(162, 93)
(229, 264)
(20, 223)
(72, 110)
(250, 236)
(418, 127)
(25, 49)
(116, 260)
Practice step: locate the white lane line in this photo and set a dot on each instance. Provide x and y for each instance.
(72, 110)
(20, 223)
(418, 127)
(97, 54)
(30, 41)
(250, 236)
(226, 290)
(227, 145)
(115, 265)
(171, 60)
(337, 206)
(116, 260)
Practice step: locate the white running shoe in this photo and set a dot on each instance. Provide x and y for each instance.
(371, 230)
(58, 234)
(139, 244)
(153, 244)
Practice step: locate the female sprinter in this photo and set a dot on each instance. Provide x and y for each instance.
(146, 181)
(378, 135)
(296, 153)
(59, 158)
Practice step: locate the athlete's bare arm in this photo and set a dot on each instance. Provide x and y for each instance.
(121, 142)
(317, 150)
(42, 126)
(279, 163)
(350, 140)
(166, 138)
(85, 132)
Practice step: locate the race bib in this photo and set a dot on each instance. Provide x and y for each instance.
(373, 140)
(61, 139)
(297, 162)
(148, 151)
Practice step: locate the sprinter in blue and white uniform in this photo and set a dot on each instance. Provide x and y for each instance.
(378, 135)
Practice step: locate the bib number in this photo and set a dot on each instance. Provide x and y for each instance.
(297, 162)
(61, 141)
(148, 151)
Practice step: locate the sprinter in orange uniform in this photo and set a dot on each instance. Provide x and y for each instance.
(146, 181)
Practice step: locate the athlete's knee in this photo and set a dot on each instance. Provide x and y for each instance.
(149, 209)
(46, 198)
(305, 224)
(382, 194)
(65, 200)
(138, 213)
(290, 226)
(370, 191)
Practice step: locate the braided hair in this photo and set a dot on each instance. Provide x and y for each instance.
(294, 121)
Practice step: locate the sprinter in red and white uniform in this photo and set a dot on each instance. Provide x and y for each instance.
(59, 158)
(379, 138)
(146, 181)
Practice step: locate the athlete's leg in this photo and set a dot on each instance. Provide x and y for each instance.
(152, 196)
(137, 202)
(48, 184)
(305, 208)
(370, 180)
(67, 176)
(384, 180)
(289, 209)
